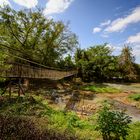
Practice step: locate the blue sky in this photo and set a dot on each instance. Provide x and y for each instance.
(116, 22)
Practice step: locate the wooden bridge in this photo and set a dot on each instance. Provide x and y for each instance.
(27, 71)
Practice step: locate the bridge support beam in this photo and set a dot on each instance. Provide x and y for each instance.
(20, 91)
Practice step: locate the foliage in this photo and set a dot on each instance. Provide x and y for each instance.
(126, 63)
(96, 63)
(3, 66)
(135, 97)
(29, 34)
(12, 127)
(134, 132)
(66, 63)
(113, 124)
(137, 68)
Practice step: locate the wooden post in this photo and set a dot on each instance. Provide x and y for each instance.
(20, 88)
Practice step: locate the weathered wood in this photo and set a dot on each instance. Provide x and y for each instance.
(25, 71)
(20, 88)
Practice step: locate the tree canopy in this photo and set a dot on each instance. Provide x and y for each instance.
(35, 37)
(126, 63)
(97, 63)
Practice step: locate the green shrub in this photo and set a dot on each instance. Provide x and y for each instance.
(113, 124)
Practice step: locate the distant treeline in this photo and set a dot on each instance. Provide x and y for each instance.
(97, 63)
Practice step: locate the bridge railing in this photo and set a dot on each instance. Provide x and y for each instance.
(27, 71)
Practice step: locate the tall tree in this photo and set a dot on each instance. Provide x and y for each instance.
(126, 62)
(95, 63)
(35, 37)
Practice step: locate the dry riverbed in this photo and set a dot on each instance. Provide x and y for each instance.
(89, 103)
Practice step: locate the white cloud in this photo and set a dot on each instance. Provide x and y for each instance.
(56, 6)
(134, 39)
(96, 30)
(105, 23)
(99, 29)
(4, 2)
(121, 23)
(27, 3)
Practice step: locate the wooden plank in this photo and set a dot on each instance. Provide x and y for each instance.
(34, 72)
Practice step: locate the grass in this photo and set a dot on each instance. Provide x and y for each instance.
(100, 88)
(134, 133)
(135, 97)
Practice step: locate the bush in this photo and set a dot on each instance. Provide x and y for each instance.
(20, 128)
(113, 124)
(15, 127)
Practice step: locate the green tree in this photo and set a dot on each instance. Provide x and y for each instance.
(35, 37)
(137, 68)
(126, 63)
(95, 63)
(81, 60)
(67, 63)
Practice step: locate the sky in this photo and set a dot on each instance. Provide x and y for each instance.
(116, 22)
